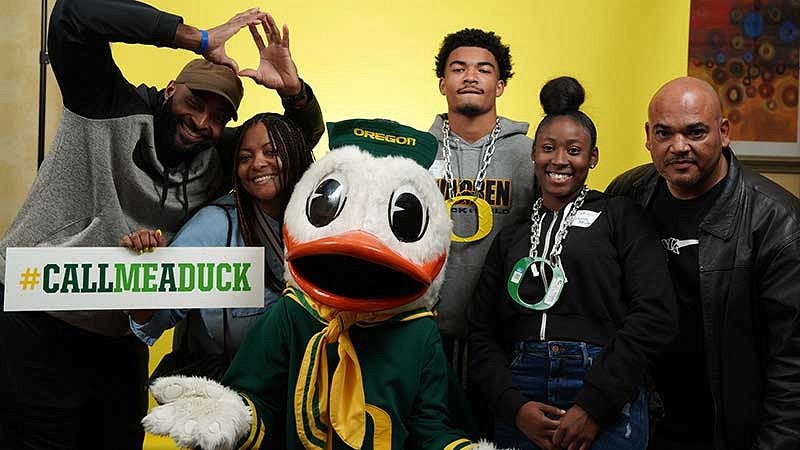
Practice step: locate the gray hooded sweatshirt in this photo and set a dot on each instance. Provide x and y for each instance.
(508, 188)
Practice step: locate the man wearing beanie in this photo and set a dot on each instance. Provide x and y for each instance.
(485, 160)
(124, 158)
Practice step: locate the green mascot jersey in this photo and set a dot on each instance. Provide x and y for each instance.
(407, 383)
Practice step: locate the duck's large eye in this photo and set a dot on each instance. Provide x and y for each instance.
(327, 201)
(408, 217)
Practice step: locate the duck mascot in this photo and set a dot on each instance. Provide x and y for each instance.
(350, 356)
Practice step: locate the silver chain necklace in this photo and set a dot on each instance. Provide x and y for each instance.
(536, 227)
(488, 152)
(556, 283)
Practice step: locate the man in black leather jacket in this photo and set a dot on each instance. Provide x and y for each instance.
(731, 380)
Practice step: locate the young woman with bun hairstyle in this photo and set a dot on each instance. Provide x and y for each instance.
(573, 304)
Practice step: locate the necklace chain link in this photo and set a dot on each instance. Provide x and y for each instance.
(488, 152)
(536, 226)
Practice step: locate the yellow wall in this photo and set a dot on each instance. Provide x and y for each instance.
(375, 59)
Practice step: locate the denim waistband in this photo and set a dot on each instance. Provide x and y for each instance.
(558, 349)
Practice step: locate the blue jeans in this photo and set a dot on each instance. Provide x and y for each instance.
(552, 373)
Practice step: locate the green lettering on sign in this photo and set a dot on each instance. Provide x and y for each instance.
(48, 269)
(167, 277)
(127, 280)
(187, 277)
(103, 286)
(70, 281)
(149, 277)
(240, 282)
(86, 286)
(205, 276)
(223, 286)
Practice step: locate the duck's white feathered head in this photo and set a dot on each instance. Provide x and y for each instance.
(366, 228)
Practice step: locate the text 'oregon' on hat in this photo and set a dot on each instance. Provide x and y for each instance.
(203, 75)
(382, 137)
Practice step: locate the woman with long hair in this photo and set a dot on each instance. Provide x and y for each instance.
(271, 157)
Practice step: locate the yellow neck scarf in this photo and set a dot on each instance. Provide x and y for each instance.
(320, 408)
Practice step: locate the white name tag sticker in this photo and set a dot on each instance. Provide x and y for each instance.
(585, 218)
(105, 278)
(517, 275)
(437, 168)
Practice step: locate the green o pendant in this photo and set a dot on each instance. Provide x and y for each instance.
(553, 289)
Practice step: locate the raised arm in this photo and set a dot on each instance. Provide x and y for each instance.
(277, 70)
(80, 33)
(78, 45)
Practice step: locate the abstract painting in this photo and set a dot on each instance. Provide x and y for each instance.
(748, 50)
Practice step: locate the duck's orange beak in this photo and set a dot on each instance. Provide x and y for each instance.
(355, 271)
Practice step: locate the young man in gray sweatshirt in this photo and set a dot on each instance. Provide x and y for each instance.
(124, 158)
(482, 157)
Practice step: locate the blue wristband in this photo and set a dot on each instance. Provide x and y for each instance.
(203, 42)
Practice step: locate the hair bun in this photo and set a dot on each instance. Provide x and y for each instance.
(561, 95)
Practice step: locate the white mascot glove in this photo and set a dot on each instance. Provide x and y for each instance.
(486, 445)
(198, 412)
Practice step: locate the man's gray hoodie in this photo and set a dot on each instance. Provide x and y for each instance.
(508, 188)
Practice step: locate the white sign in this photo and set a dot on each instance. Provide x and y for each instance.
(84, 278)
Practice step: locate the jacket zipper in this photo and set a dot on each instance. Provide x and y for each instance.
(546, 249)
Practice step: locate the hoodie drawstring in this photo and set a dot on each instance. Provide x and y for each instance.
(185, 196)
(165, 188)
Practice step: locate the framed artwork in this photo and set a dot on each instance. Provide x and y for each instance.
(748, 50)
